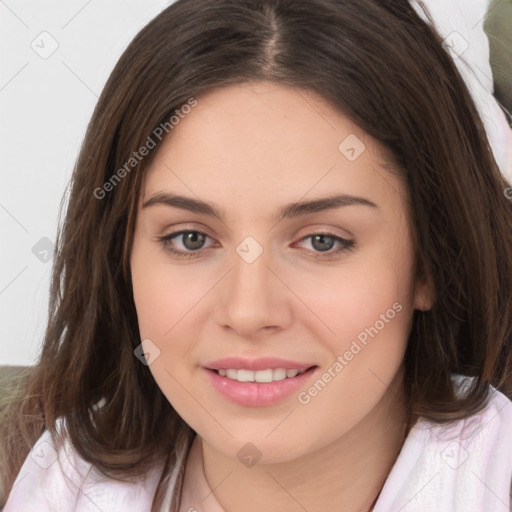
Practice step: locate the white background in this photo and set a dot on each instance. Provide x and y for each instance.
(45, 105)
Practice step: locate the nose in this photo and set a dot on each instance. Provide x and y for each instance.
(253, 299)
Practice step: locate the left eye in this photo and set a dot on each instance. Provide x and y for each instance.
(324, 242)
(193, 241)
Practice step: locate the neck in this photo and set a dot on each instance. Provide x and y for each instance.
(347, 474)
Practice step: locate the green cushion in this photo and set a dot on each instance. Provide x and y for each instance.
(498, 27)
(7, 373)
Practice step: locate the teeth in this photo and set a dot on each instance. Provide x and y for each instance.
(245, 376)
(232, 374)
(260, 375)
(263, 376)
(279, 374)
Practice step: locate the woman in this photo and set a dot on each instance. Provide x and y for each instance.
(284, 278)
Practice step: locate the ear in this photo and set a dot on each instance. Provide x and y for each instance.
(424, 295)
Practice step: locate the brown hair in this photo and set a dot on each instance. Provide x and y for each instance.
(375, 61)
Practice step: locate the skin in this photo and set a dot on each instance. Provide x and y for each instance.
(250, 149)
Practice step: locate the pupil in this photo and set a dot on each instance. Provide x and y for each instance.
(196, 240)
(323, 246)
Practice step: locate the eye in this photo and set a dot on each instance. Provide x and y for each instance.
(322, 243)
(191, 240)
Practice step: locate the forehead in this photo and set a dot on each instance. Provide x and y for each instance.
(258, 141)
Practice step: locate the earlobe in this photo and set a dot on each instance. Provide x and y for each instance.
(424, 296)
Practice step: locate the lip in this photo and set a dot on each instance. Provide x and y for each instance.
(259, 394)
(262, 363)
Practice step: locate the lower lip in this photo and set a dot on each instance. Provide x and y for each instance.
(257, 394)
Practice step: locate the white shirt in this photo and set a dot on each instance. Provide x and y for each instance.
(463, 467)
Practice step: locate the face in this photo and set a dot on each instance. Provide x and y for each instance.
(327, 289)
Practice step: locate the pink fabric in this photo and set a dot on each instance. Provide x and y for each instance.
(54, 479)
(463, 467)
(508, 146)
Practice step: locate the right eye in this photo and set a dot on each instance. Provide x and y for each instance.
(192, 242)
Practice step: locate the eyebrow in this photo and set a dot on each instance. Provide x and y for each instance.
(288, 211)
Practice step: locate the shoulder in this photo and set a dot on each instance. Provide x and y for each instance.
(493, 420)
(474, 455)
(464, 465)
(54, 478)
(483, 439)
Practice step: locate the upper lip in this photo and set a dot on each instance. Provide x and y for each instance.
(262, 363)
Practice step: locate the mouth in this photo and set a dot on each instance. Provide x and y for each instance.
(261, 376)
(269, 384)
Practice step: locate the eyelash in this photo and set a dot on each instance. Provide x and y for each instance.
(346, 245)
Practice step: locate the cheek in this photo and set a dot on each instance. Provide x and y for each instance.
(370, 293)
(164, 297)
(368, 307)
(171, 305)
(163, 293)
